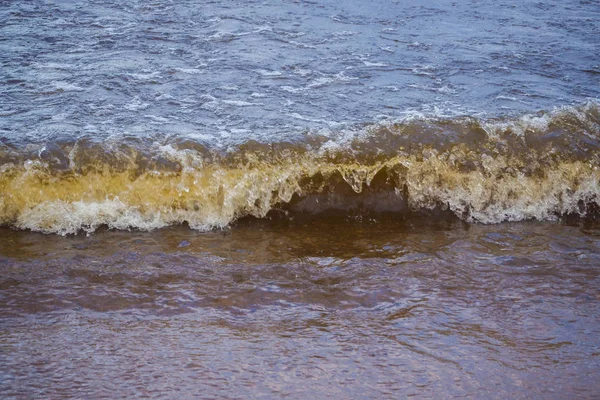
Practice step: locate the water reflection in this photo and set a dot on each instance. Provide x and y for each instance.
(370, 310)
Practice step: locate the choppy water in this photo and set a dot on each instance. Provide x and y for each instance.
(340, 199)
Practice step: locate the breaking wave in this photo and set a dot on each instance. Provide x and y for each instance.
(540, 166)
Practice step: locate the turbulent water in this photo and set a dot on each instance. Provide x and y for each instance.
(536, 167)
(347, 199)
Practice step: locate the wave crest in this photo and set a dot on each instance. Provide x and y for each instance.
(534, 167)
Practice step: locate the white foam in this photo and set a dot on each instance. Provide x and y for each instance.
(239, 103)
(192, 71)
(375, 64)
(145, 76)
(136, 104)
(266, 73)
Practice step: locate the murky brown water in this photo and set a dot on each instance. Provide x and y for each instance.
(298, 309)
(175, 117)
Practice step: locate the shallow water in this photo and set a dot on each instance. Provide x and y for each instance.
(146, 116)
(229, 199)
(223, 71)
(352, 309)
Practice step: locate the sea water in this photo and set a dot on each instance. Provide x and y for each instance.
(290, 199)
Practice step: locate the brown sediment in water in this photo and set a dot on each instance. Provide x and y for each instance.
(435, 306)
(482, 171)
